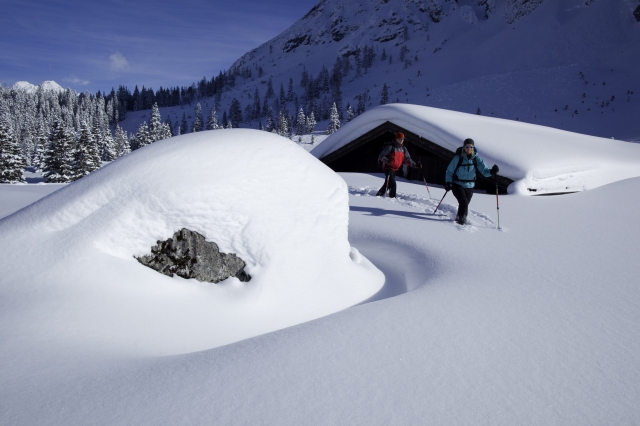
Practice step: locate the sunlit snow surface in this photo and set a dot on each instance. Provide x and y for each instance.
(538, 159)
(537, 323)
(73, 280)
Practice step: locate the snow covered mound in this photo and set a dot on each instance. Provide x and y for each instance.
(538, 159)
(74, 279)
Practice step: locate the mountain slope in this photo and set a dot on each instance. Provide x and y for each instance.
(516, 59)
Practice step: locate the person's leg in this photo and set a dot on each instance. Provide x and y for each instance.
(463, 202)
(384, 184)
(392, 185)
(468, 192)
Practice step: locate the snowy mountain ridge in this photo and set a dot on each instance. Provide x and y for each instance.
(48, 85)
(515, 59)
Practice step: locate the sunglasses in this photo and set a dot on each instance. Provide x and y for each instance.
(468, 146)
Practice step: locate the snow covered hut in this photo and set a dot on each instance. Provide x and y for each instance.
(361, 155)
(533, 159)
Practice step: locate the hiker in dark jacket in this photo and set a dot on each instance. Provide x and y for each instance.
(392, 157)
(461, 177)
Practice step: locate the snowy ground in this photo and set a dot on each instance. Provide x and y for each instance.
(538, 323)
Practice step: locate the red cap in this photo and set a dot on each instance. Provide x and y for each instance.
(399, 135)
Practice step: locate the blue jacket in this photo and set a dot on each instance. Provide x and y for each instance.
(466, 174)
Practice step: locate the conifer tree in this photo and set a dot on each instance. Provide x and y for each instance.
(11, 161)
(58, 160)
(270, 124)
(301, 123)
(198, 122)
(169, 123)
(155, 123)
(270, 93)
(311, 122)
(283, 125)
(384, 95)
(225, 121)
(106, 149)
(350, 113)
(166, 132)
(121, 143)
(235, 112)
(290, 93)
(256, 104)
(183, 124)
(283, 97)
(142, 135)
(212, 120)
(37, 161)
(84, 158)
(334, 120)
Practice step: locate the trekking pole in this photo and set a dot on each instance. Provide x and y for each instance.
(497, 204)
(445, 194)
(425, 181)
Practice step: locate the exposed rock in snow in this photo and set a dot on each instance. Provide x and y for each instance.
(188, 255)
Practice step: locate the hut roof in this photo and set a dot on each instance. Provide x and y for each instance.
(535, 157)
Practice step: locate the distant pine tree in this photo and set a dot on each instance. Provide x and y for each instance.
(121, 143)
(235, 112)
(11, 161)
(84, 159)
(256, 105)
(58, 160)
(142, 136)
(301, 123)
(311, 122)
(350, 113)
(283, 125)
(212, 120)
(270, 123)
(183, 124)
(334, 120)
(166, 131)
(198, 122)
(290, 93)
(270, 93)
(384, 95)
(155, 123)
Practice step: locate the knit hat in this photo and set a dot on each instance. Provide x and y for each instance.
(468, 141)
(399, 135)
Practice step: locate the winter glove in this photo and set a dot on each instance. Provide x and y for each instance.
(494, 170)
(385, 160)
(417, 164)
(447, 186)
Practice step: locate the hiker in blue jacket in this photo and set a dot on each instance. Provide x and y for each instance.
(461, 176)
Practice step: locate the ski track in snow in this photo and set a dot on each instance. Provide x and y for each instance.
(446, 212)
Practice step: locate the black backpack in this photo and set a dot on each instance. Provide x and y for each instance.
(455, 172)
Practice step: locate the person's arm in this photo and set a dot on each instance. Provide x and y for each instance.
(448, 177)
(407, 158)
(383, 155)
(482, 167)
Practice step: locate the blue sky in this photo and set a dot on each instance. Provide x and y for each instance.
(96, 45)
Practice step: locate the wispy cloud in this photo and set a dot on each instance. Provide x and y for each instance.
(118, 62)
(75, 80)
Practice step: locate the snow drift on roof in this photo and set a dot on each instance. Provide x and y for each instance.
(534, 157)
